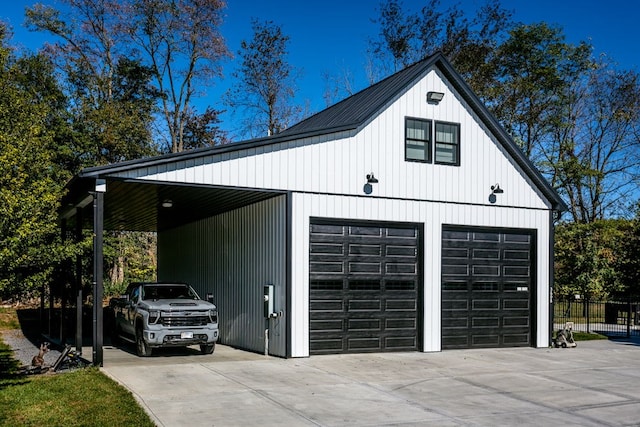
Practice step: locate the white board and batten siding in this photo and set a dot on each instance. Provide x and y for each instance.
(326, 174)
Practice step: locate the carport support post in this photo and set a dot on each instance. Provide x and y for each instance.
(78, 283)
(98, 227)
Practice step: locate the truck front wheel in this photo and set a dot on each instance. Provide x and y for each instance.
(142, 348)
(207, 348)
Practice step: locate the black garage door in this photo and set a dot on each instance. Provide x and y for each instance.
(487, 288)
(364, 288)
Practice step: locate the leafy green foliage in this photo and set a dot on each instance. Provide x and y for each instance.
(589, 258)
(534, 68)
(30, 181)
(128, 257)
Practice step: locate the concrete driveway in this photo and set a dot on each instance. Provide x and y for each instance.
(595, 384)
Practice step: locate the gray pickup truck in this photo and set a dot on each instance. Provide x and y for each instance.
(164, 315)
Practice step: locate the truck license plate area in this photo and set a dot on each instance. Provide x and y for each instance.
(186, 335)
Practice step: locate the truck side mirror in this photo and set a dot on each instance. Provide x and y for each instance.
(210, 297)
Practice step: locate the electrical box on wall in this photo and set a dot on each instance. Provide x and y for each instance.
(268, 301)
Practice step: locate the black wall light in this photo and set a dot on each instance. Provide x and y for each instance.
(371, 179)
(434, 97)
(495, 189)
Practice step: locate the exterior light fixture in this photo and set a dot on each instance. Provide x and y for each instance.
(167, 203)
(434, 97)
(495, 189)
(371, 179)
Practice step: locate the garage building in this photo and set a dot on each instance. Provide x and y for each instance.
(403, 218)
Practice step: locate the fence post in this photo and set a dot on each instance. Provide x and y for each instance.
(588, 313)
(628, 317)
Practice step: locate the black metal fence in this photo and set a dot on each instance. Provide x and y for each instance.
(610, 318)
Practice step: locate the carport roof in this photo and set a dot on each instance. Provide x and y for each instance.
(137, 205)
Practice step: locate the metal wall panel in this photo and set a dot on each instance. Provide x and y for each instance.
(232, 256)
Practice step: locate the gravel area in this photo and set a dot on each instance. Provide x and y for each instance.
(24, 349)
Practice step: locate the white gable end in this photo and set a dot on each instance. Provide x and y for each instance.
(339, 163)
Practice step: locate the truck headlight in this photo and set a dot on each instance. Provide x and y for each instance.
(154, 316)
(213, 315)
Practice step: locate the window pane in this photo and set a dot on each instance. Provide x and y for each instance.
(416, 154)
(418, 130)
(446, 153)
(418, 137)
(446, 133)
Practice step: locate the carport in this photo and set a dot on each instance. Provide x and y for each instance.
(98, 202)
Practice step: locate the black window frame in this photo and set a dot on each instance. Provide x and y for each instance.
(428, 143)
(455, 145)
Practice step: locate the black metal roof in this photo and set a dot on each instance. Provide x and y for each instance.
(356, 110)
(351, 114)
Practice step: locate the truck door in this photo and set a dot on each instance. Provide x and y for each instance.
(130, 310)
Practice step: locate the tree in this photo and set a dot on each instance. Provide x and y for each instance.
(595, 161)
(397, 37)
(265, 81)
(629, 266)
(30, 181)
(174, 44)
(201, 130)
(113, 101)
(118, 128)
(466, 42)
(534, 68)
(588, 259)
(182, 42)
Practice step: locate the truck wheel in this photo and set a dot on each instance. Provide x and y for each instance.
(142, 349)
(207, 348)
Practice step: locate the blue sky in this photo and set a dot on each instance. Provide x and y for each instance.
(331, 35)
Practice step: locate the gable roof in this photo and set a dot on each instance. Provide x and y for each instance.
(354, 112)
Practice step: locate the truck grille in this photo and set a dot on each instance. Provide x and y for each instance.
(184, 321)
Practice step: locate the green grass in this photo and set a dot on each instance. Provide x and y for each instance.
(8, 318)
(82, 397)
(587, 336)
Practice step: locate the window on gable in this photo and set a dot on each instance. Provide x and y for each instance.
(447, 143)
(424, 142)
(418, 140)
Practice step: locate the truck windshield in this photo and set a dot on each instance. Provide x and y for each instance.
(168, 292)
